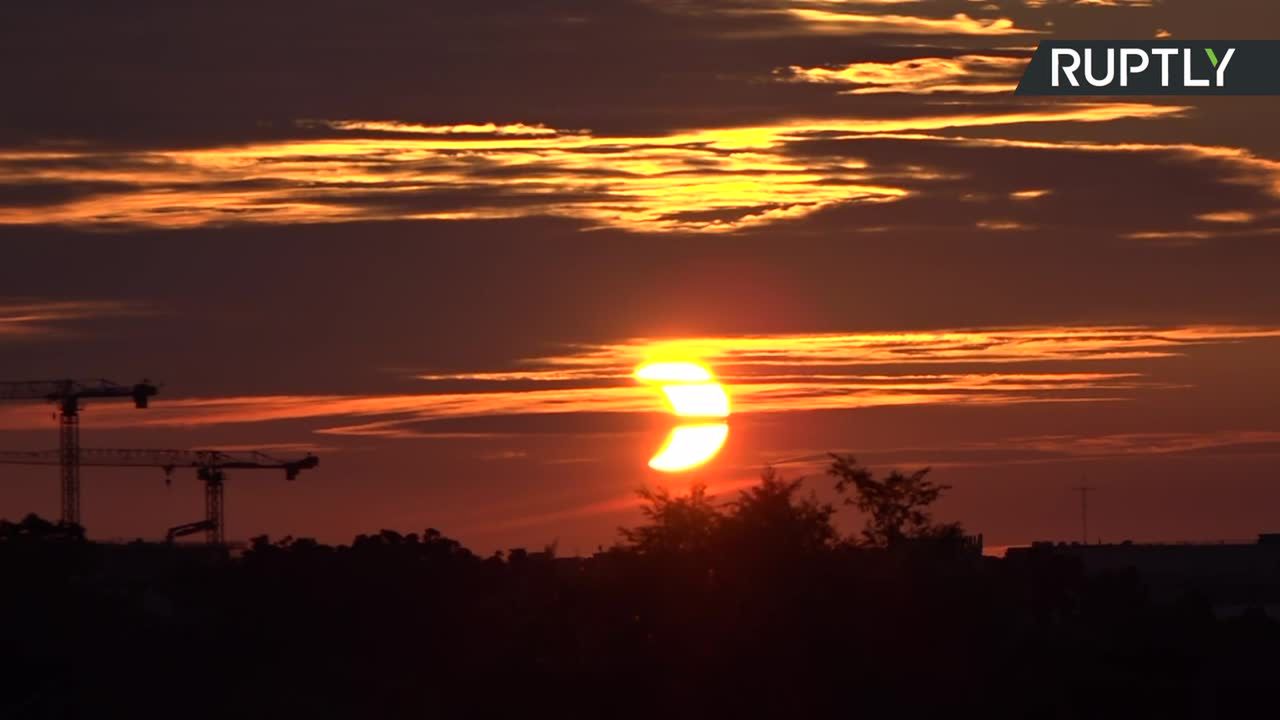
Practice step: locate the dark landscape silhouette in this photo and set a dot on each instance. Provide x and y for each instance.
(750, 606)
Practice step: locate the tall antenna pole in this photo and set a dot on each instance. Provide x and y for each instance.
(1084, 491)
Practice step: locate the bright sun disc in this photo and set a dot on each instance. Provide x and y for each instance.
(689, 446)
(691, 391)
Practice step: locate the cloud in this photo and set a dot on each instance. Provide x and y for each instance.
(1047, 449)
(737, 357)
(502, 455)
(1109, 189)
(1015, 450)
(1003, 225)
(1144, 443)
(1092, 3)
(920, 76)
(766, 396)
(764, 374)
(828, 21)
(31, 318)
(480, 129)
(1227, 216)
(702, 180)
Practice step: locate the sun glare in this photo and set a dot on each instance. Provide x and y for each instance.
(706, 400)
(665, 372)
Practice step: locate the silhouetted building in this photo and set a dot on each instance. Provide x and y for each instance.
(1233, 576)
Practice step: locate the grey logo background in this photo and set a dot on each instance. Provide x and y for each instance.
(1245, 67)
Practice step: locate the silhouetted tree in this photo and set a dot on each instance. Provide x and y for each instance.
(898, 505)
(34, 528)
(676, 524)
(770, 518)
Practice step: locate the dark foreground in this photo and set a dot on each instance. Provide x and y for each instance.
(759, 619)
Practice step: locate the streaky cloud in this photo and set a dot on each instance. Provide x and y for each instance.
(973, 74)
(719, 179)
(30, 318)
(762, 373)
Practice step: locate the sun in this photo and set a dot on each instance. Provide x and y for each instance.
(691, 391)
(690, 446)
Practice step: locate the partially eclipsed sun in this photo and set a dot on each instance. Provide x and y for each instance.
(691, 391)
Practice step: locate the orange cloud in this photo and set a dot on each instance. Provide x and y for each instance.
(1227, 216)
(702, 180)
(830, 21)
(1093, 3)
(762, 373)
(34, 317)
(1002, 225)
(513, 129)
(920, 76)
(739, 356)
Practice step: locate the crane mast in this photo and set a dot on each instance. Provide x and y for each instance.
(210, 467)
(67, 395)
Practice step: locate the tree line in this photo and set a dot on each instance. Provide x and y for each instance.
(753, 607)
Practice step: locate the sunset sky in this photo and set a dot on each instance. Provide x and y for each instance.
(431, 241)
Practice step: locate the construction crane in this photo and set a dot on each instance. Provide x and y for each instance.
(210, 467)
(67, 395)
